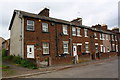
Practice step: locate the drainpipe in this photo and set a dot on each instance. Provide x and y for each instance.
(56, 41)
(20, 16)
(70, 39)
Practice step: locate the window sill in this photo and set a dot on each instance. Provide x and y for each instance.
(73, 35)
(86, 36)
(79, 36)
(45, 54)
(45, 32)
(65, 34)
(30, 30)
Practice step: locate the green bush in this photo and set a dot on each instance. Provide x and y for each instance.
(4, 53)
(16, 59)
(28, 64)
(19, 60)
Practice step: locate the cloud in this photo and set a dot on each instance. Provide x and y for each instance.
(91, 11)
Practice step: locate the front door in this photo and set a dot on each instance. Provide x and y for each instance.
(30, 51)
(74, 50)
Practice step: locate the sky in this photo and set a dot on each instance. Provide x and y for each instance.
(92, 12)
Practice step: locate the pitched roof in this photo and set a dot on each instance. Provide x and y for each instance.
(32, 15)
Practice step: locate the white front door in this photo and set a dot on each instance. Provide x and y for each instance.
(74, 50)
(30, 51)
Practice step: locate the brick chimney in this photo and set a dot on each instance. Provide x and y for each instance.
(77, 21)
(44, 12)
(104, 27)
(115, 29)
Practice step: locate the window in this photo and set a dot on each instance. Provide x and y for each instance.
(96, 48)
(112, 37)
(101, 48)
(108, 49)
(95, 35)
(104, 49)
(102, 36)
(113, 46)
(65, 46)
(73, 31)
(44, 27)
(85, 32)
(116, 48)
(65, 32)
(45, 48)
(30, 25)
(106, 36)
(78, 32)
(87, 47)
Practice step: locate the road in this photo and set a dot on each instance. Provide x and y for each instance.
(107, 69)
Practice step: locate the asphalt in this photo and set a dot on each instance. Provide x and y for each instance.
(61, 67)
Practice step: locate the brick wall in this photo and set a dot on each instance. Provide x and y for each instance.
(61, 60)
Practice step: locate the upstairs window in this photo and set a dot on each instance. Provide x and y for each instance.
(106, 36)
(44, 27)
(86, 32)
(102, 36)
(95, 35)
(112, 37)
(78, 32)
(65, 31)
(30, 25)
(73, 31)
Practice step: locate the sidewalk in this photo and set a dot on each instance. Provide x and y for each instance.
(27, 72)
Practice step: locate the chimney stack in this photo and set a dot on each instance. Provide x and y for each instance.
(77, 21)
(44, 12)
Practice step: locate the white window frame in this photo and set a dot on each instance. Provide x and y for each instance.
(101, 48)
(85, 32)
(113, 47)
(65, 30)
(45, 47)
(115, 38)
(100, 36)
(78, 32)
(116, 48)
(65, 42)
(87, 47)
(44, 27)
(103, 36)
(73, 31)
(30, 25)
(95, 34)
(112, 37)
(107, 36)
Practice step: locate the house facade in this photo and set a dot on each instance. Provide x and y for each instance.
(39, 36)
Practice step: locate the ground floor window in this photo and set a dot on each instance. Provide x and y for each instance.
(96, 48)
(116, 48)
(65, 47)
(113, 46)
(45, 48)
(87, 47)
(101, 48)
(108, 49)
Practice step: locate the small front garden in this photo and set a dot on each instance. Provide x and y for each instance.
(18, 60)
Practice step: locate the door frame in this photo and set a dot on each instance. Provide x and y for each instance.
(33, 51)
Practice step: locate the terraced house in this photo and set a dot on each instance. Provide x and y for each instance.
(38, 36)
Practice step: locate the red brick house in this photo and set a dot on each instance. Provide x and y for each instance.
(39, 36)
